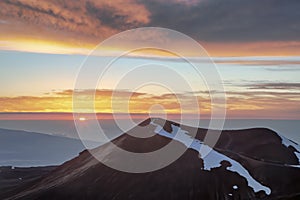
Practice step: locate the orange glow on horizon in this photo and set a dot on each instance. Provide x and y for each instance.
(262, 48)
(55, 46)
(44, 46)
(237, 107)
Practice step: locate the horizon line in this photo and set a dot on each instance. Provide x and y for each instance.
(110, 116)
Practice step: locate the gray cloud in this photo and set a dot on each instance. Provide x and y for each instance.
(110, 16)
(230, 20)
(276, 86)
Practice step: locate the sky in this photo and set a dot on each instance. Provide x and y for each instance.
(254, 44)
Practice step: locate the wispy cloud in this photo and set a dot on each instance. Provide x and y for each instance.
(276, 86)
(90, 18)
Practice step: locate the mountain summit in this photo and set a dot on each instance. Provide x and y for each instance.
(253, 163)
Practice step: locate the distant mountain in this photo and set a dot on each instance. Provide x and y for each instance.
(21, 148)
(245, 164)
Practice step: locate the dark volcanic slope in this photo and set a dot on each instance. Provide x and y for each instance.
(18, 177)
(189, 177)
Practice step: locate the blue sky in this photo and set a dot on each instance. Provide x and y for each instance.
(37, 73)
(254, 86)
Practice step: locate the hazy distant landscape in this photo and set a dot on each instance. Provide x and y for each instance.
(66, 128)
(58, 141)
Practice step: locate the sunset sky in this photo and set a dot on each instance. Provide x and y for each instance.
(255, 45)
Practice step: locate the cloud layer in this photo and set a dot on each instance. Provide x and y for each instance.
(268, 104)
(88, 18)
(230, 20)
(223, 27)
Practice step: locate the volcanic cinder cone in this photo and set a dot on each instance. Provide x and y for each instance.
(244, 164)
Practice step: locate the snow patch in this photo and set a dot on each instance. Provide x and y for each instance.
(213, 158)
(286, 142)
(296, 166)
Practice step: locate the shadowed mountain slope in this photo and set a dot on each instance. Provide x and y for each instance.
(244, 164)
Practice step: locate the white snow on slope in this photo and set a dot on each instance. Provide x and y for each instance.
(213, 158)
(286, 142)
